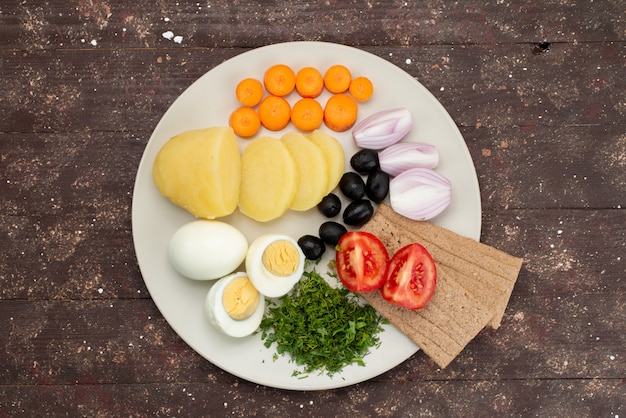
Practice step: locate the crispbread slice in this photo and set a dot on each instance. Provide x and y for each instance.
(474, 285)
(452, 318)
(486, 272)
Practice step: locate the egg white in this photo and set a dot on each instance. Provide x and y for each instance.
(217, 315)
(207, 250)
(269, 284)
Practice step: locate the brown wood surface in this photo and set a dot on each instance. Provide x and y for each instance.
(537, 89)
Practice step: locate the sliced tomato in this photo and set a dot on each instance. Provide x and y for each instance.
(411, 277)
(361, 261)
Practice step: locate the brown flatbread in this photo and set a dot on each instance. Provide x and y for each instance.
(452, 318)
(474, 285)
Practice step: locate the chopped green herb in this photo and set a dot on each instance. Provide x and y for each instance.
(322, 328)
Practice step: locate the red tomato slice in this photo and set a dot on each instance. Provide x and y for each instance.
(362, 261)
(411, 277)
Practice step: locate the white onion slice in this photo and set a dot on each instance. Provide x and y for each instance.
(403, 156)
(382, 129)
(419, 193)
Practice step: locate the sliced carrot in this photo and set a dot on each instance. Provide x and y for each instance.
(245, 121)
(307, 114)
(279, 80)
(309, 82)
(361, 88)
(275, 113)
(340, 112)
(337, 79)
(249, 92)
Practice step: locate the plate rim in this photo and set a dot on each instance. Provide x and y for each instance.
(475, 233)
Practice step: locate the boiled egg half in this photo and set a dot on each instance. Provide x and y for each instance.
(207, 250)
(274, 264)
(234, 306)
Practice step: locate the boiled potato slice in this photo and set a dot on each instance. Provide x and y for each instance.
(312, 170)
(333, 152)
(269, 179)
(200, 170)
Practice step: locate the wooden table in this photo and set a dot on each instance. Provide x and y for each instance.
(536, 88)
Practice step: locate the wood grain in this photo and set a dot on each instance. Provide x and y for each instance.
(536, 88)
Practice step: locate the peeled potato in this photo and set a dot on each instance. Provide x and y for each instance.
(312, 169)
(200, 170)
(333, 152)
(269, 179)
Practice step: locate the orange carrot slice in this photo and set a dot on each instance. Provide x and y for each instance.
(309, 82)
(249, 92)
(340, 112)
(307, 114)
(245, 121)
(275, 113)
(279, 80)
(361, 88)
(337, 79)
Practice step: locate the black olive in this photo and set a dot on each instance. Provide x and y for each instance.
(358, 212)
(331, 231)
(330, 205)
(352, 185)
(365, 161)
(312, 247)
(377, 186)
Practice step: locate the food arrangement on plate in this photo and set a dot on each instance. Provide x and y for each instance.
(461, 302)
(258, 286)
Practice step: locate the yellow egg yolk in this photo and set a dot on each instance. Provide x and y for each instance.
(240, 298)
(281, 258)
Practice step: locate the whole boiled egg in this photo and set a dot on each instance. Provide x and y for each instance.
(207, 250)
(234, 306)
(274, 264)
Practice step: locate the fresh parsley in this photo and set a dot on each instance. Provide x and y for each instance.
(322, 328)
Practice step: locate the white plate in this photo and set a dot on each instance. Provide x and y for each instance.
(208, 102)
